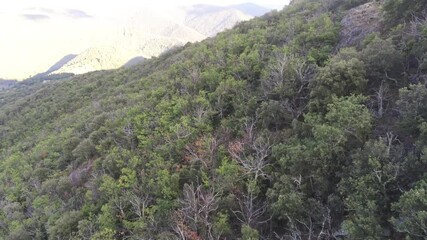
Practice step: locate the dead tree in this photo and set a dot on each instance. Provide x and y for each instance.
(252, 152)
(289, 78)
(194, 219)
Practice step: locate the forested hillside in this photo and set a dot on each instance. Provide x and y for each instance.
(308, 123)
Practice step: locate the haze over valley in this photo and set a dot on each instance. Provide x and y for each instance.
(61, 39)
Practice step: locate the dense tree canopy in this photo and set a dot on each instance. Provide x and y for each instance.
(266, 131)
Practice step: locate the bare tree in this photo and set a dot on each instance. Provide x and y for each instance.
(194, 220)
(381, 97)
(415, 30)
(290, 77)
(309, 228)
(251, 208)
(278, 71)
(203, 150)
(252, 152)
(139, 202)
(416, 24)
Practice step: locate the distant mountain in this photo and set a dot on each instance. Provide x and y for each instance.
(63, 61)
(134, 61)
(92, 59)
(211, 21)
(117, 54)
(251, 9)
(106, 39)
(146, 34)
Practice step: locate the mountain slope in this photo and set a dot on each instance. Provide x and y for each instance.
(210, 23)
(61, 63)
(40, 37)
(269, 130)
(117, 54)
(148, 34)
(251, 9)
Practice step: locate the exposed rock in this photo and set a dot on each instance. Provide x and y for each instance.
(80, 175)
(358, 23)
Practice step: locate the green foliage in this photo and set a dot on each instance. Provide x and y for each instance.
(105, 234)
(397, 11)
(412, 211)
(383, 61)
(343, 75)
(354, 3)
(228, 174)
(65, 226)
(222, 225)
(369, 189)
(318, 38)
(266, 131)
(412, 107)
(107, 218)
(128, 178)
(346, 117)
(289, 203)
(249, 233)
(341, 5)
(84, 151)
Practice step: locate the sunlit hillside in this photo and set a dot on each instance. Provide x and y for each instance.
(41, 37)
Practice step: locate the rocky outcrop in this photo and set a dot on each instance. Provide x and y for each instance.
(79, 176)
(358, 23)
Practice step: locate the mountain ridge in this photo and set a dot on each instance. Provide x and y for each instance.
(200, 22)
(128, 29)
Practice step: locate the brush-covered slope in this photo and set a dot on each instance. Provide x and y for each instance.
(267, 131)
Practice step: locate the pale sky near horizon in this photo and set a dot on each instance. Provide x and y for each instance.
(36, 33)
(94, 5)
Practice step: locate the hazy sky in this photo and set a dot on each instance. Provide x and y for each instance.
(34, 34)
(96, 5)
